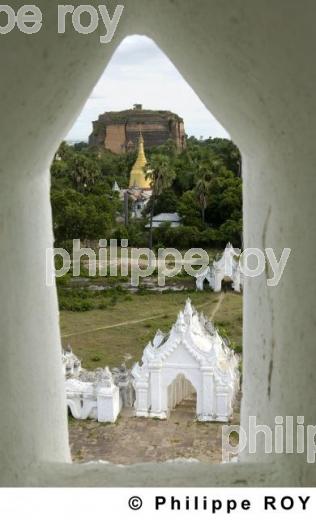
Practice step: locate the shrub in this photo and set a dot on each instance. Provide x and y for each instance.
(95, 358)
(75, 304)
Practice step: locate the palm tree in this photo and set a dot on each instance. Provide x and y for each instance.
(202, 188)
(84, 171)
(161, 176)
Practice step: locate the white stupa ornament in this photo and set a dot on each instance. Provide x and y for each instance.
(116, 187)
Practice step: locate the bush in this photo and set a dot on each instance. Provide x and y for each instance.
(114, 299)
(75, 304)
(182, 237)
(81, 300)
(95, 358)
(237, 348)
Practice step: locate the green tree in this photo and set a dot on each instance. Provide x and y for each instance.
(161, 175)
(83, 171)
(188, 209)
(227, 151)
(202, 183)
(166, 202)
(202, 188)
(78, 215)
(64, 152)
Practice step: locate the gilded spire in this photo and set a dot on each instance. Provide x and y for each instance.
(137, 177)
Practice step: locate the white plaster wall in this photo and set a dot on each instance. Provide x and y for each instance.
(32, 405)
(252, 63)
(108, 404)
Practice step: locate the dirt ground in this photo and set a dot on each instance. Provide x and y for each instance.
(135, 439)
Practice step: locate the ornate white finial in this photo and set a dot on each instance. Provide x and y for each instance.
(188, 311)
(107, 372)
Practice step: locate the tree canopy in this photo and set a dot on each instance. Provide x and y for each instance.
(203, 184)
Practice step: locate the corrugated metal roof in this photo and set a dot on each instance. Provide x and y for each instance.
(167, 217)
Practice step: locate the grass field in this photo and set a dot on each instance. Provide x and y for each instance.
(126, 326)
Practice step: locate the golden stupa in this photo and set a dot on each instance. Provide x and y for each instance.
(137, 176)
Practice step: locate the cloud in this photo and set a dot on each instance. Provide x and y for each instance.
(139, 72)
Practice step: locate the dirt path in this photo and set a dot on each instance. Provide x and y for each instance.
(217, 306)
(120, 324)
(133, 322)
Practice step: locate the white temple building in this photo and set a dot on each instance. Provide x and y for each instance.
(192, 358)
(226, 268)
(90, 395)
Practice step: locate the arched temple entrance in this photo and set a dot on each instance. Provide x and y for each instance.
(180, 392)
(227, 284)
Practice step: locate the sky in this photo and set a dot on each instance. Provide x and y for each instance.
(139, 72)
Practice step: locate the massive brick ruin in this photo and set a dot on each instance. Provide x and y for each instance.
(119, 131)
